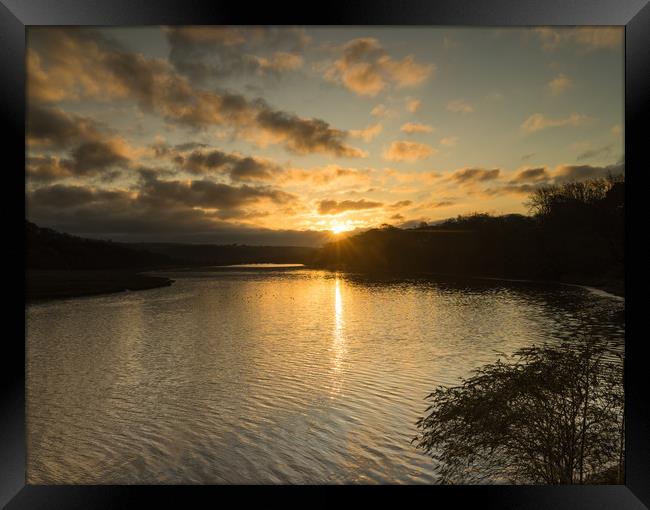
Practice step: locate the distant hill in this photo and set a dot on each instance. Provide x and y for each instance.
(215, 255)
(48, 249)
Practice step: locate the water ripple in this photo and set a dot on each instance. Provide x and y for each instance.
(291, 377)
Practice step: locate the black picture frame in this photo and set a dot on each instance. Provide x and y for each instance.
(16, 15)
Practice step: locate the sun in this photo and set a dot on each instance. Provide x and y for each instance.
(338, 229)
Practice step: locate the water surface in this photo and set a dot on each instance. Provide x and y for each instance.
(287, 376)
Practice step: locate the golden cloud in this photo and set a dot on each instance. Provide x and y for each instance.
(559, 84)
(368, 133)
(334, 207)
(416, 127)
(538, 122)
(408, 151)
(366, 68)
(413, 105)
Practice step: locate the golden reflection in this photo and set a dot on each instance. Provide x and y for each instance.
(338, 346)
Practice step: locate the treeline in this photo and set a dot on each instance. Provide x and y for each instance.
(575, 232)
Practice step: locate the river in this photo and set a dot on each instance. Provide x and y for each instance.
(263, 375)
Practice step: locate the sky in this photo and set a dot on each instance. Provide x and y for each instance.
(296, 135)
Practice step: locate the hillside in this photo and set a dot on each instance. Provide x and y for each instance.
(48, 249)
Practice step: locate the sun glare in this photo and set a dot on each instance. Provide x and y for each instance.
(338, 229)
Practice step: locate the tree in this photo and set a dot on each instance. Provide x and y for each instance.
(546, 415)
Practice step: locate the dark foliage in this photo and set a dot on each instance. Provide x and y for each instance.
(547, 415)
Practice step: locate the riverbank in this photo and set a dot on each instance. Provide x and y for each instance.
(45, 285)
(605, 285)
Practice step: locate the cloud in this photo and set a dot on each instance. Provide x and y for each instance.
(444, 203)
(589, 38)
(93, 157)
(449, 141)
(70, 196)
(416, 127)
(84, 63)
(559, 84)
(537, 122)
(128, 216)
(422, 178)
(322, 176)
(236, 166)
(280, 62)
(45, 168)
(90, 158)
(304, 136)
(531, 175)
(605, 150)
(473, 175)
(366, 68)
(55, 128)
(201, 52)
(381, 111)
(413, 105)
(401, 204)
(566, 173)
(528, 180)
(408, 151)
(334, 207)
(368, 133)
(459, 106)
(206, 193)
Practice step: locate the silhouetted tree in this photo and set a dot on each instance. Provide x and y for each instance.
(546, 415)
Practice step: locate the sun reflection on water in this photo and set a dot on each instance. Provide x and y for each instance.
(338, 346)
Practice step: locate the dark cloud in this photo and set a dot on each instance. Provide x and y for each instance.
(565, 173)
(528, 180)
(206, 193)
(55, 128)
(44, 168)
(400, 204)
(334, 207)
(513, 188)
(592, 153)
(160, 208)
(83, 63)
(471, 175)
(103, 159)
(531, 175)
(203, 52)
(60, 196)
(121, 215)
(304, 136)
(94, 157)
(239, 168)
